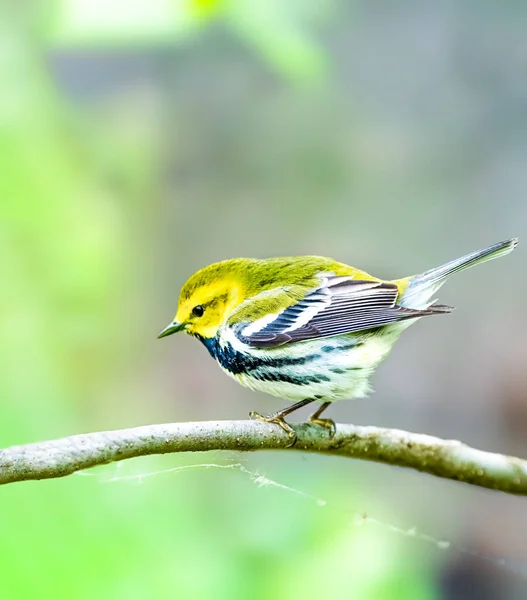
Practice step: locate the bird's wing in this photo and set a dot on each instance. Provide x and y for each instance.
(340, 305)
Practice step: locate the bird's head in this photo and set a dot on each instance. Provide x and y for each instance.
(207, 299)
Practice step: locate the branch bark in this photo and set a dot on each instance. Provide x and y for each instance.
(443, 458)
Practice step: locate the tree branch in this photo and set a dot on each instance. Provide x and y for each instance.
(443, 458)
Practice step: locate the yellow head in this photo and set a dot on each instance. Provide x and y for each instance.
(206, 300)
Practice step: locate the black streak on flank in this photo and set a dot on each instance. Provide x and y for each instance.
(237, 363)
(339, 371)
(329, 348)
(283, 378)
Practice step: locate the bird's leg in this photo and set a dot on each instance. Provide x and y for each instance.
(315, 419)
(278, 418)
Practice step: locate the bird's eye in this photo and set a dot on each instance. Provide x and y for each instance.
(198, 311)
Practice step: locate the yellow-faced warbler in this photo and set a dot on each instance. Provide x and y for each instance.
(307, 328)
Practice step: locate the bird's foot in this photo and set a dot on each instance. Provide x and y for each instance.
(328, 424)
(277, 419)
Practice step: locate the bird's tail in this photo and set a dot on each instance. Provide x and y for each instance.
(420, 288)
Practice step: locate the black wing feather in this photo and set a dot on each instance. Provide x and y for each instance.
(342, 305)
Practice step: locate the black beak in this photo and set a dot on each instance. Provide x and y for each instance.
(174, 327)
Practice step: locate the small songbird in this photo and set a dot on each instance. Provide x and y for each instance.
(307, 328)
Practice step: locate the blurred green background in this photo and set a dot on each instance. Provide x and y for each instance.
(140, 141)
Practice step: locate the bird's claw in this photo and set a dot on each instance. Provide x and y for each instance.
(277, 419)
(328, 424)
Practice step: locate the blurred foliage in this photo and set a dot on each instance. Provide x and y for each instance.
(108, 202)
(279, 31)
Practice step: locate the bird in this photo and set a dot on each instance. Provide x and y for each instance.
(307, 329)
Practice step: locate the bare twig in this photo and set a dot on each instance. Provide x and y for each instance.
(444, 458)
